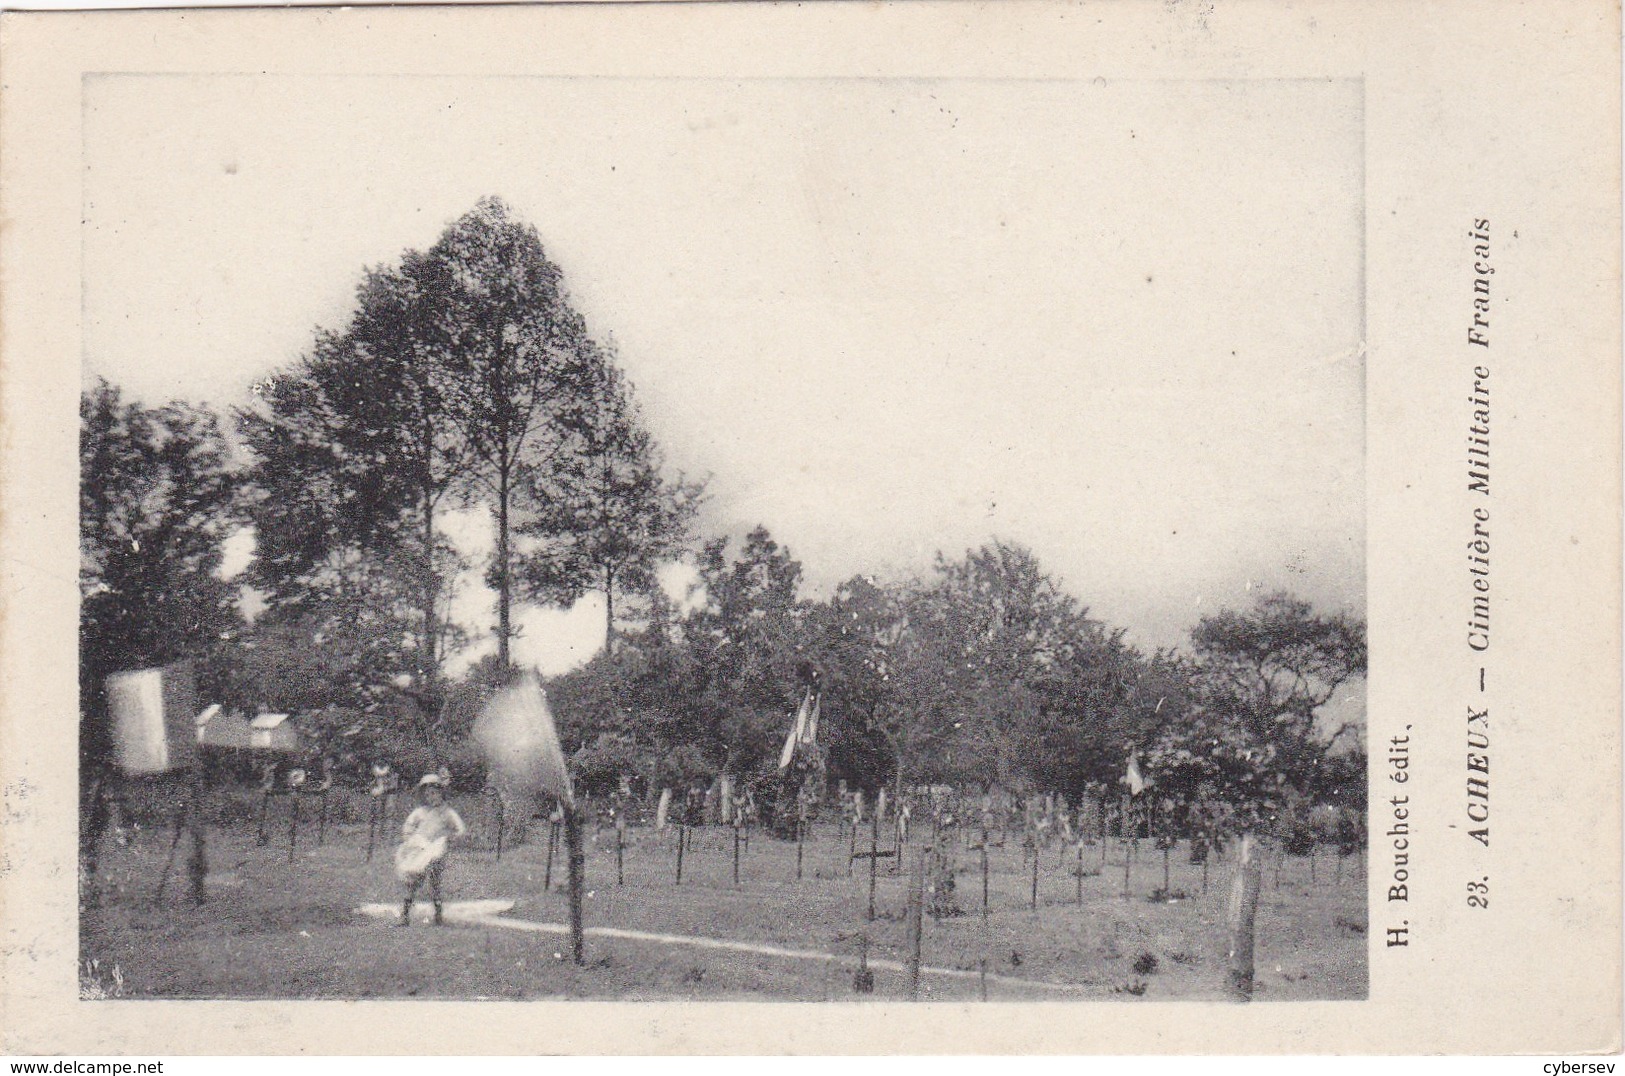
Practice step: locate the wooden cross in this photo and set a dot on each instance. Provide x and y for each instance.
(865, 979)
(982, 846)
(874, 855)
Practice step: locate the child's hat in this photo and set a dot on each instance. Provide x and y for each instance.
(431, 780)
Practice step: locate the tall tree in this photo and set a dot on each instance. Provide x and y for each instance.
(356, 456)
(460, 376)
(1273, 669)
(1099, 701)
(398, 333)
(520, 365)
(640, 705)
(748, 649)
(1255, 734)
(986, 636)
(853, 640)
(157, 499)
(609, 520)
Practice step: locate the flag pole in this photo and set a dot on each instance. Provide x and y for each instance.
(521, 743)
(552, 843)
(987, 930)
(163, 879)
(1123, 826)
(801, 838)
(293, 824)
(682, 839)
(197, 864)
(501, 824)
(916, 918)
(572, 841)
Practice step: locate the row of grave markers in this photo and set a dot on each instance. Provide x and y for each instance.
(1243, 902)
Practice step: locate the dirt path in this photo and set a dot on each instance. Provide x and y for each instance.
(488, 913)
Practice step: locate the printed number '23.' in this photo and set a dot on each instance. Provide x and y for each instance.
(1478, 894)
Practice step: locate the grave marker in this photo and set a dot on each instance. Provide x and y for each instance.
(1243, 916)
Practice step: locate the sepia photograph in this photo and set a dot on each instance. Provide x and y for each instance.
(1037, 530)
(696, 539)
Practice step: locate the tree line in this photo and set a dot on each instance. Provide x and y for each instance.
(465, 380)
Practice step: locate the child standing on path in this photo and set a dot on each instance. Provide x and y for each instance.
(428, 832)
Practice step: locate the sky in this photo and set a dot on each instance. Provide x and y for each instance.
(1119, 322)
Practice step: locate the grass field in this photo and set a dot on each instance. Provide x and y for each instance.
(275, 928)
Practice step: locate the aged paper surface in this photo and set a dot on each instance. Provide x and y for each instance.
(1474, 154)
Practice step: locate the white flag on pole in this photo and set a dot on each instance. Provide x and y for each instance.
(803, 730)
(521, 742)
(1133, 778)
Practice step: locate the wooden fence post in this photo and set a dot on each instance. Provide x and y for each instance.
(1035, 874)
(263, 836)
(916, 924)
(92, 828)
(1128, 865)
(984, 874)
(577, 868)
(1243, 915)
(874, 858)
(620, 846)
(552, 843)
(197, 864)
(1105, 834)
(1124, 832)
(293, 824)
(502, 820)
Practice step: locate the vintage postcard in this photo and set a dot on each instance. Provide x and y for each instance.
(1022, 528)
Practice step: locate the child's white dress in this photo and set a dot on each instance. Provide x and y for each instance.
(427, 831)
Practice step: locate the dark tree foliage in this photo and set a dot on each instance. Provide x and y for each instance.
(609, 521)
(157, 498)
(462, 378)
(1002, 678)
(355, 457)
(710, 691)
(1092, 707)
(1273, 668)
(747, 649)
(631, 711)
(984, 672)
(521, 373)
(1254, 736)
(465, 378)
(852, 641)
